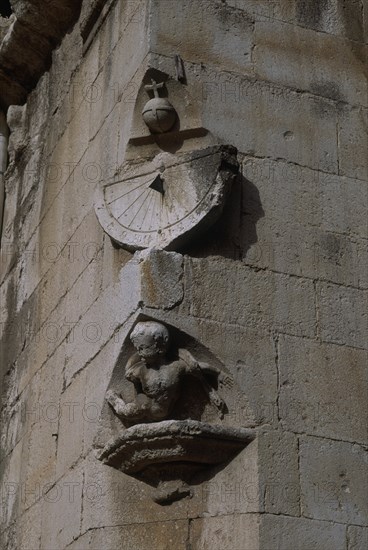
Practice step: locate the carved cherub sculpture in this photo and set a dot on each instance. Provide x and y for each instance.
(157, 379)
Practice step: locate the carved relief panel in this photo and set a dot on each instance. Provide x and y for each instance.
(166, 405)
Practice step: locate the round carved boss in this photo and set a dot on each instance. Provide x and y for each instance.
(166, 202)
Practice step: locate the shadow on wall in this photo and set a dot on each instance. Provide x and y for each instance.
(5, 8)
(235, 232)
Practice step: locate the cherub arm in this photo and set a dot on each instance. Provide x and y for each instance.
(132, 369)
(205, 368)
(198, 370)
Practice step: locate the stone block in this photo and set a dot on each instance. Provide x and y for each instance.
(343, 315)
(240, 532)
(357, 537)
(300, 534)
(108, 88)
(11, 489)
(61, 323)
(264, 10)
(100, 163)
(353, 143)
(307, 252)
(344, 201)
(323, 234)
(111, 309)
(123, 19)
(15, 416)
(268, 301)
(71, 425)
(302, 59)
(29, 528)
(250, 356)
(280, 123)
(235, 489)
(86, 289)
(9, 247)
(228, 32)
(156, 535)
(28, 272)
(113, 498)
(100, 370)
(161, 278)
(63, 164)
(324, 394)
(273, 189)
(61, 511)
(114, 259)
(80, 258)
(279, 472)
(40, 444)
(64, 64)
(43, 342)
(338, 17)
(333, 481)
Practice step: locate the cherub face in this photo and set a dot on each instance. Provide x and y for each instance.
(150, 339)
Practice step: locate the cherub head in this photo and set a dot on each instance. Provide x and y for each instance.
(151, 339)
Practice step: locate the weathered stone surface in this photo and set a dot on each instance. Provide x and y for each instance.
(343, 315)
(332, 485)
(300, 534)
(279, 472)
(40, 444)
(250, 355)
(353, 143)
(159, 536)
(71, 425)
(280, 123)
(339, 17)
(30, 528)
(10, 468)
(234, 489)
(111, 497)
(161, 278)
(225, 533)
(303, 196)
(357, 537)
(61, 511)
(323, 234)
(303, 59)
(278, 302)
(209, 22)
(309, 401)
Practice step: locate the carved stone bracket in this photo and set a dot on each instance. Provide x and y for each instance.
(170, 453)
(168, 402)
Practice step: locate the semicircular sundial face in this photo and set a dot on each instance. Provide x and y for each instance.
(160, 203)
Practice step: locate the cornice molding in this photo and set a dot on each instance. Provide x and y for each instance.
(37, 27)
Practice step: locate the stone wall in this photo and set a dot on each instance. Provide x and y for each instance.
(277, 289)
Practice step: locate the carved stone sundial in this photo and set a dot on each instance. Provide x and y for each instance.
(162, 203)
(175, 178)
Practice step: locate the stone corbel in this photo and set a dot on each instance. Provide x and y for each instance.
(166, 411)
